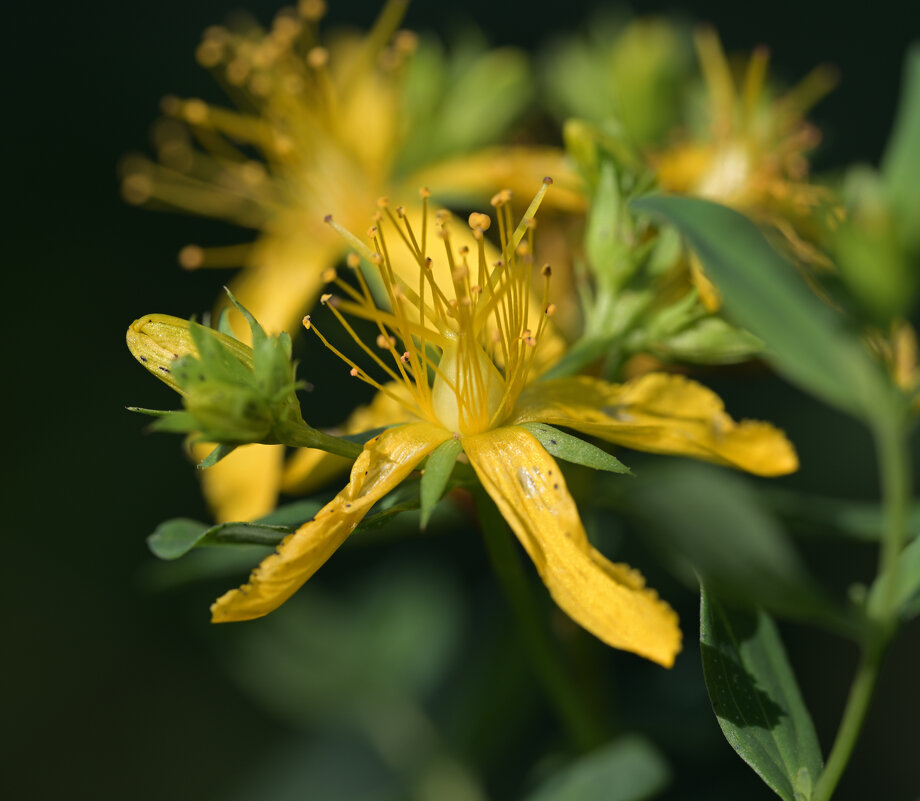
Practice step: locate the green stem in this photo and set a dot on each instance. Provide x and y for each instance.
(584, 727)
(894, 468)
(303, 436)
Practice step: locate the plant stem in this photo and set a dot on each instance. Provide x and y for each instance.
(303, 436)
(894, 469)
(584, 727)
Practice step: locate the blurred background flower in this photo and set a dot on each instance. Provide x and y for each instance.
(409, 679)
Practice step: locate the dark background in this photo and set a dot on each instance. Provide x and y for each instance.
(112, 690)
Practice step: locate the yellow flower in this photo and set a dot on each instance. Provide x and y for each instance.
(468, 324)
(753, 156)
(322, 127)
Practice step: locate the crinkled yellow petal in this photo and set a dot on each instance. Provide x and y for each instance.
(659, 413)
(308, 468)
(519, 169)
(385, 461)
(609, 600)
(243, 485)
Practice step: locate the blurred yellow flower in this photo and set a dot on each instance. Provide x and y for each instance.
(323, 127)
(752, 153)
(469, 324)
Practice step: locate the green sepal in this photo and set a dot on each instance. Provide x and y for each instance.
(901, 162)
(178, 422)
(572, 449)
(221, 451)
(808, 342)
(437, 471)
(628, 769)
(153, 412)
(756, 698)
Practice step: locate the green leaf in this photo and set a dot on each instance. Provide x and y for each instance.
(901, 162)
(906, 578)
(860, 520)
(756, 699)
(808, 342)
(572, 449)
(175, 538)
(219, 452)
(711, 521)
(438, 467)
(628, 769)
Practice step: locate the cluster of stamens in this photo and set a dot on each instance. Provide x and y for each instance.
(458, 332)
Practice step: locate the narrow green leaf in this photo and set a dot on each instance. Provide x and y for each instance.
(808, 342)
(153, 412)
(219, 452)
(901, 162)
(711, 522)
(175, 538)
(572, 449)
(438, 467)
(628, 769)
(756, 699)
(178, 422)
(906, 578)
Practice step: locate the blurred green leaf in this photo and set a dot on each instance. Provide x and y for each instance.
(901, 162)
(756, 699)
(572, 449)
(438, 467)
(861, 520)
(360, 657)
(628, 769)
(806, 340)
(711, 520)
(906, 578)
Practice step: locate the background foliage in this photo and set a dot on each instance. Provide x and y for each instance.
(122, 684)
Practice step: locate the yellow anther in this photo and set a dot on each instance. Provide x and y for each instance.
(372, 232)
(195, 111)
(353, 372)
(376, 259)
(306, 322)
(500, 198)
(318, 58)
(385, 342)
(329, 275)
(424, 192)
(550, 309)
(383, 202)
(479, 220)
(405, 42)
(325, 298)
(353, 260)
(191, 257)
(312, 9)
(546, 271)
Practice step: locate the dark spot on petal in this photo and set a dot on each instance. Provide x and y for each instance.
(143, 359)
(164, 369)
(555, 486)
(552, 442)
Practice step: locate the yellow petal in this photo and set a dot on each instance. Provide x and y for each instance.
(609, 600)
(308, 469)
(385, 461)
(519, 169)
(659, 413)
(284, 274)
(243, 485)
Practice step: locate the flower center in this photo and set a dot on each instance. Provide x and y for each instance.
(468, 388)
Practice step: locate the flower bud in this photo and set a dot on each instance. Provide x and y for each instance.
(158, 340)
